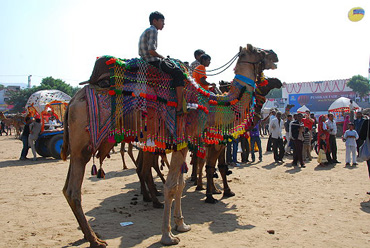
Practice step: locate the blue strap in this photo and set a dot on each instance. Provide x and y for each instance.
(245, 80)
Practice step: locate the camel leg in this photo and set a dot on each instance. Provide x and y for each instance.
(223, 171)
(156, 168)
(172, 190)
(130, 153)
(146, 173)
(122, 151)
(199, 167)
(139, 169)
(194, 163)
(212, 155)
(72, 192)
(180, 225)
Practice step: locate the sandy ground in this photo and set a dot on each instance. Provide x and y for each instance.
(312, 207)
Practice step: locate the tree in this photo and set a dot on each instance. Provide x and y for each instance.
(275, 93)
(360, 85)
(20, 98)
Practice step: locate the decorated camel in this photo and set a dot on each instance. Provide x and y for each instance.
(139, 106)
(217, 152)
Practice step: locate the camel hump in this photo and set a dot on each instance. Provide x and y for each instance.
(100, 75)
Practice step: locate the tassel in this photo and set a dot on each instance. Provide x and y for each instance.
(93, 170)
(101, 173)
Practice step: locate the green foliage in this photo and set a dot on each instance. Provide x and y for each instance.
(275, 93)
(1, 87)
(20, 98)
(360, 85)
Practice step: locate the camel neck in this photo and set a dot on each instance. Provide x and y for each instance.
(246, 80)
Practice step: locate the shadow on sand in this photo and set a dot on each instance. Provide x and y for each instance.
(365, 206)
(13, 163)
(148, 220)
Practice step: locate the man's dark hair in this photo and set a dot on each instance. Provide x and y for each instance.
(198, 52)
(155, 16)
(289, 116)
(27, 118)
(204, 57)
(38, 120)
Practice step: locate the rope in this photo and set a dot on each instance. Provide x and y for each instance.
(217, 73)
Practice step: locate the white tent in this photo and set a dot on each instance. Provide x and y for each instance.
(342, 104)
(41, 98)
(267, 106)
(302, 109)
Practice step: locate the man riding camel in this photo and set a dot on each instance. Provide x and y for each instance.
(147, 51)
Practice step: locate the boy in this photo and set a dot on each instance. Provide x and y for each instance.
(307, 145)
(351, 136)
(199, 73)
(147, 51)
(196, 62)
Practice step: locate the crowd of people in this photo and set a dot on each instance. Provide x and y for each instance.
(298, 135)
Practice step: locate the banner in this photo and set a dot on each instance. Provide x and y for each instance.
(317, 101)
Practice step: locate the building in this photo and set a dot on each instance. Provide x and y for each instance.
(317, 96)
(4, 96)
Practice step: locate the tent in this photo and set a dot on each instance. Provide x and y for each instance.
(302, 109)
(267, 106)
(342, 104)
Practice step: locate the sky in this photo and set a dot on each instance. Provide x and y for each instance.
(314, 39)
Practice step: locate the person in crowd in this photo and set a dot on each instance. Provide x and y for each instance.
(24, 138)
(271, 117)
(255, 139)
(332, 128)
(287, 133)
(345, 123)
(308, 123)
(2, 128)
(358, 124)
(365, 133)
(199, 73)
(52, 123)
(297, 136)
(321, 159)
(196, 62)
(351, 111)
(148, 52)
(306, 153)
(245, 147)
(35, 129)
(350, 136)
(291, 143)
(276, 127)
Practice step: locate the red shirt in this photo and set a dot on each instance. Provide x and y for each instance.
(308, 123)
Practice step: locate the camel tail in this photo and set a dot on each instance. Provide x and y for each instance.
(65, 148)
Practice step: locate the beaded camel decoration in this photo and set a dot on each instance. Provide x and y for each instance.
(210, 126)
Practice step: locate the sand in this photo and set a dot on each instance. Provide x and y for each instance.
(310, 207)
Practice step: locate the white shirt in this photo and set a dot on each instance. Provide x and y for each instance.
(332, 125)
(351, 141)
(270, 120)
(52, 124)
(276, 128)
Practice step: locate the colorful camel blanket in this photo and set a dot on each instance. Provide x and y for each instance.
(139, 106)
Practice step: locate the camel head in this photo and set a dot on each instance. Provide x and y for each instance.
(257, 56)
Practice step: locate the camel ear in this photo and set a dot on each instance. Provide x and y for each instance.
(240, 49)
(249, 47)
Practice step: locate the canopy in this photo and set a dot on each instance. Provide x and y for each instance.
(342, 104)
(302, 109)
(41, 98)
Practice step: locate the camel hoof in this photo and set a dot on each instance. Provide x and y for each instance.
(98, 244)
(199, 188)
(211, 200)
(228, 193)
(125, 168)
(158, 205)
(183, 228)
(216, 192)
(192, 179)
(169, 239)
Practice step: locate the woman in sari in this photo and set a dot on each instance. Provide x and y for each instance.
(345, 123)
(322, 128)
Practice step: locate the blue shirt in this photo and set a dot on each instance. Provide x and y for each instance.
(255, 132)
(147, 42)
(358, 124)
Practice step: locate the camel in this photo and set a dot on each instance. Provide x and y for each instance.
(251, 62)
(15, 121)
(217, 152)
